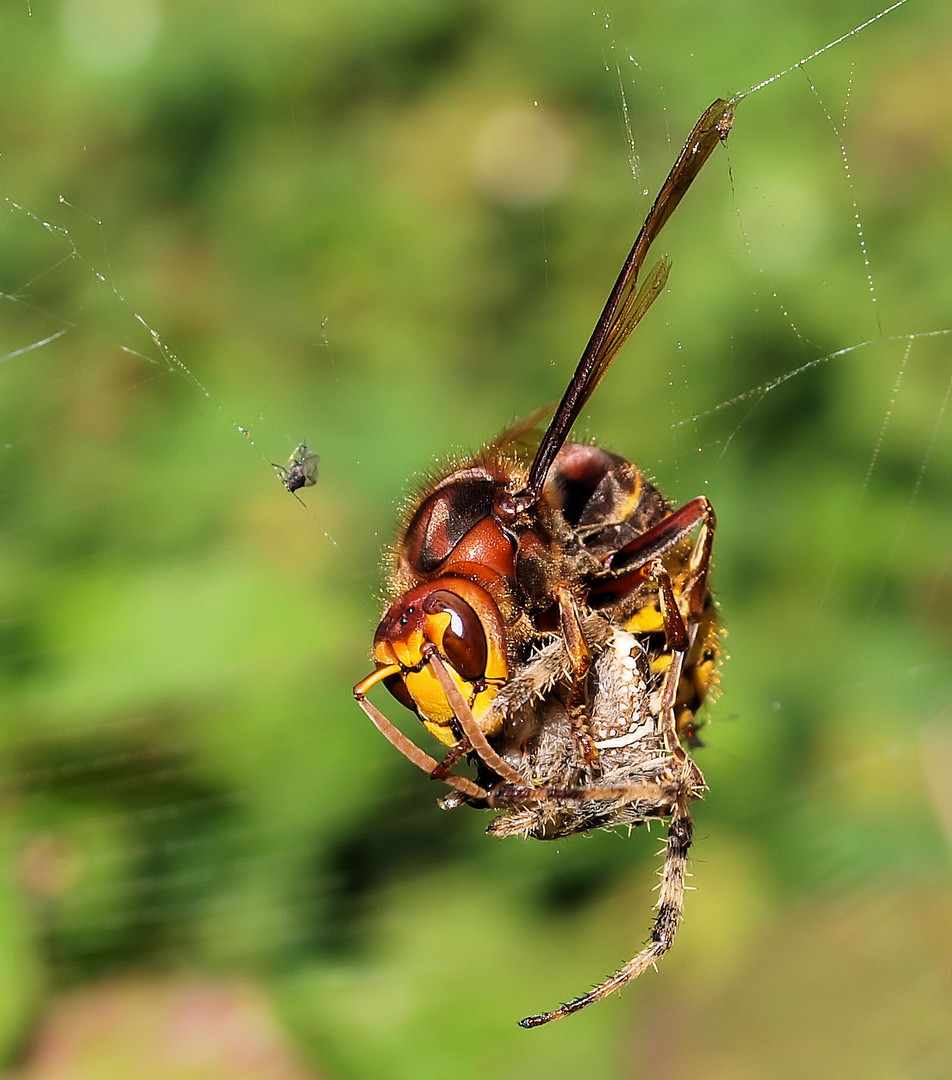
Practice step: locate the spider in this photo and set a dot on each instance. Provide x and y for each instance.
(551, 622)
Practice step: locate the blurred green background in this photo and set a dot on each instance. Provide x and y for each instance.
(386, 227)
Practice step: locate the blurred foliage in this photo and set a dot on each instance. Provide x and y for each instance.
(386, 227)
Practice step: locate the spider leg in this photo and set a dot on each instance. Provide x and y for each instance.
(409, 749)
(689, 772)
(670, 905)
(656, 792)
(445, 767)
(580, 657)
(679, 638)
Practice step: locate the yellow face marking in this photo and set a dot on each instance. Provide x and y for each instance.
(424, 687)
(408, 652)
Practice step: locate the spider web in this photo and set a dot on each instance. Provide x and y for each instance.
(218, 242)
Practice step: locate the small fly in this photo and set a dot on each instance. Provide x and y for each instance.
(300, 471)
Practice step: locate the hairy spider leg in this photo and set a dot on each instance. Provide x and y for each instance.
(580, 657)
(670, 905)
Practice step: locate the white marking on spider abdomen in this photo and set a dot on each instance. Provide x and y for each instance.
(619, 713)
